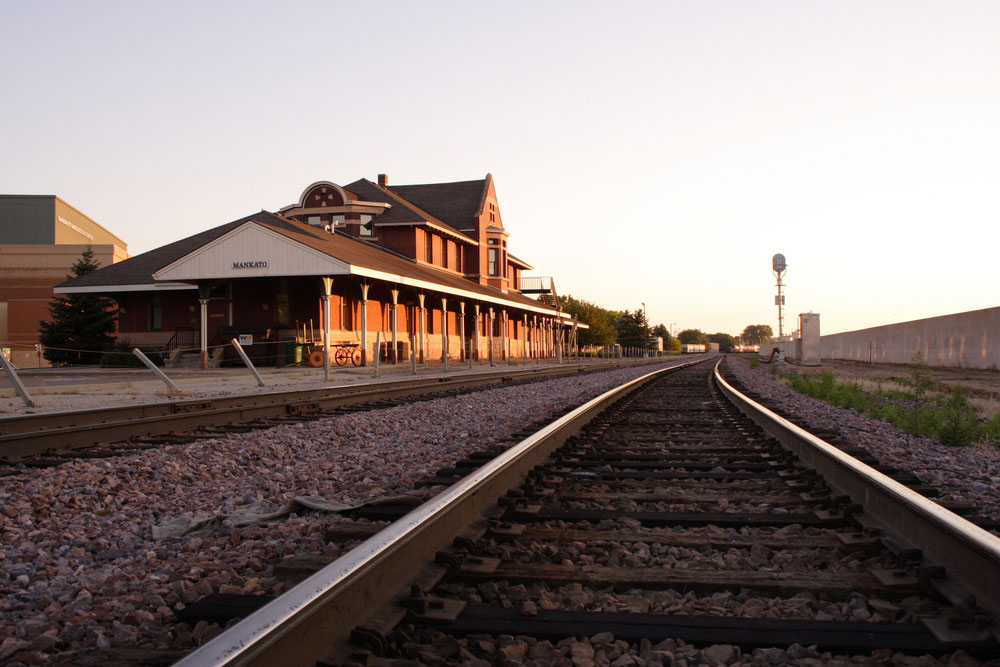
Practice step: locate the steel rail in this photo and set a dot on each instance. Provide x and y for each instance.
(29, 435)
(301, 626)
(969, 554)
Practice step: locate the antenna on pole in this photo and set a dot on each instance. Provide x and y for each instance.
(778, 267)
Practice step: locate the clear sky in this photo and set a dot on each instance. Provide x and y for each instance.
(656, 152)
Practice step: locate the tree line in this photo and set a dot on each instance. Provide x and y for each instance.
(631, 329)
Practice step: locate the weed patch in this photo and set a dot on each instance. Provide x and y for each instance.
(919, 407)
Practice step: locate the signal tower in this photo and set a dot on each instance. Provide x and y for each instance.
(778, 267)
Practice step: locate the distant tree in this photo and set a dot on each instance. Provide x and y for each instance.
(633, 329)
(725, 341)
(669, 342)
(693, 336)
(601, 322)
(84, 323)
(757, 334)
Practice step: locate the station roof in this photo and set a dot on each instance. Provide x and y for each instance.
(297, 249)
(456, 204)
(427, 203)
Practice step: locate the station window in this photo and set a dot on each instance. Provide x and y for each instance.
(492, 262)
(220, 291)
(428, 247)
(337, 220)
(367, 224)
(345, 314)
(315, 220)
(156, 312)
(281, 309)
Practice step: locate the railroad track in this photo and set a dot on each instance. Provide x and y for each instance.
(656, 521)
(59, 436)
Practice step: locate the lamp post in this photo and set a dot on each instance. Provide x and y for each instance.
(645, 333)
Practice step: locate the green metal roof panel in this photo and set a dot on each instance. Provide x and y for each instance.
(28, 219)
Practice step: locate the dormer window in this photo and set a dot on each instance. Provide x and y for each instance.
(367, 225)
(315, 221)
(337, 220)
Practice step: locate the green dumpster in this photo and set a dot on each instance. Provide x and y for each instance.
(291, 352)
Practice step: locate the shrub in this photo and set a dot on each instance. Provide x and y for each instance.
(121, 356)
(955, 420)
(824, 386)
(991, 429)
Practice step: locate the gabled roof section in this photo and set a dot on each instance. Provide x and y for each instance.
(405, 211)
(252, 250)
(401, 211)
(456, 204)
(139, 270)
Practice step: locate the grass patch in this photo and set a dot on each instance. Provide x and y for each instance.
(918, 405)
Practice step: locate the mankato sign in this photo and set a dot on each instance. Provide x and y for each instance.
(261, 264)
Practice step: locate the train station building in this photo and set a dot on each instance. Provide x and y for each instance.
(367, 267)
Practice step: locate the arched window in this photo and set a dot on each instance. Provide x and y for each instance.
(323, 195)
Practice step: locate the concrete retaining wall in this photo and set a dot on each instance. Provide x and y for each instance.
(962, 340)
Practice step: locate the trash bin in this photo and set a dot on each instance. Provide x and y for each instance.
(291, 352)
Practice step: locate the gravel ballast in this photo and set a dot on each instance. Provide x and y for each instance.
(967, 474)
(79, 567)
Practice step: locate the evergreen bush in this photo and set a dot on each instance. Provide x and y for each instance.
(121, 356)
(81, 326)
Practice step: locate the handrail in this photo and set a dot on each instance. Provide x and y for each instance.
(175, 341)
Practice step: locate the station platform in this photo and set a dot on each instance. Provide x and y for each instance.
(78, 388)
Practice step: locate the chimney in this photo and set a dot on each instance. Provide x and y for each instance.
(383, 180)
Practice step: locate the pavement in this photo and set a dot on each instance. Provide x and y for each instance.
(78, 388)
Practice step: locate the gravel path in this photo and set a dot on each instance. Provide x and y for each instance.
(79, 567)
(969, 474)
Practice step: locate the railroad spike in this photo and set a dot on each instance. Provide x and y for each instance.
(448, 559)
(371, 639)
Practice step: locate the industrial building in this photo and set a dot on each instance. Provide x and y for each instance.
(41, 237)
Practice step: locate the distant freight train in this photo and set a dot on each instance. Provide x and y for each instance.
(692, 348)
